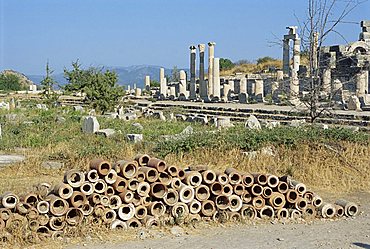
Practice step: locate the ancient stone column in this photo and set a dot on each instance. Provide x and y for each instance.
(279, 75)
(137, 92)
(243, 95)
(326, 80)
(226, 92)
(161, 74)
(216, 78)
(211, 55)
(232, 85)
(294, 85)
(172, 92)
(286, 57)
(259, 90)
(147, 82)
(202, 84)
(163, 88)
(361, 82)
(192, 89)
(296, 54)
(182, 85)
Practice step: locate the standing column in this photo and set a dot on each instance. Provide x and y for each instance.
(326, 80)
(202, 84)
(211, 55)
(147, 82)
(216, 78)
(232, 86)
(286, 57)
(243, 95)
(163, 83)
(259, 90)
(226, 92)
(296, 53)
(192, 89)
(361, 80)
(182, 85)
(294, 86)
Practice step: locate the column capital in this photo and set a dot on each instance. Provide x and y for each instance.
(192, 49)
(201, 47)
(211, 44)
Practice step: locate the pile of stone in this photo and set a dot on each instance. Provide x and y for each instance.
(148, 192)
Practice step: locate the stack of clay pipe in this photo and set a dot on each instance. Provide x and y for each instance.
(148, 192)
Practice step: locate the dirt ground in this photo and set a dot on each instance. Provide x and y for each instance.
(342, 233)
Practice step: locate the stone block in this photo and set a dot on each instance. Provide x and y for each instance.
(11, 159)
(223, 122)
(354, 103)
(252, 123)
(90, 125)
(136, 138)
(78, 108)
(138, 125)
(106, 132)
(128, 116)
(52, 165)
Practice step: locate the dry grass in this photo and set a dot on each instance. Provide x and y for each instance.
(252, 68)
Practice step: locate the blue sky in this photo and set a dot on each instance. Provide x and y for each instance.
(154, 32)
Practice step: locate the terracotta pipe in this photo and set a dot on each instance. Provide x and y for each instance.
(118, 224)
(43, 219)
(194, 206)
(87, 209)
(310, 211)
(127, 196)
(298, 186)
(220, 216)
(248, 212)
(247, 180)
(2, 224)
(267, 212)
(74, 177)
(258, 202)
(128, 169)
(158, 190)
(316, 201)
(277, 200)
(115, 202)
(104, 200)
(234, 216)
(171, 198)
(186, 193)
(222, 178)
(120, 185)
(267, 192)
(272, 181)
(23, 208)
(32, 213)
(92, 175)
(165, 178)
(156, 208)
(134, 223)
(175, 183)
(158, 164)
(58, 206)
(141, 212)
(99, 212)
(74, 216)
(339, 211)
(43, 207)
(239, 189)
(33, 225)
(301, 204)
(350, 208)
(57, 223)
(193, 218)
(282, 213)
(145, 201)
(179, 210)
(151, 174)
(181, 174)
(193, 178)
(227, 190)
(309, 196)
(140, 176)
(43, 232)
(63, 190)
(151, 222)
(100, 186)
(9, 200)
(246, 197)
(222, 202)
(30, 198)
(109, 191)
(94, 199)
(126, 211)
(327, 210)
(87, 188)
(111, 177)
(216, 188)
(43, 190)
(103, 167)
(233, 175)
(109, 216)
(261, 179)
(282, 187)
(235, 203)
(202, 193)
(133, 184)
(57, 235)
(256, 190)
(142, 159)
(5, 214)
(143, 189)
(209, 177)
(172, 171)
(292, 196)
(77, 199)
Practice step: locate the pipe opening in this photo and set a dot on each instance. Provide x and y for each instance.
(309, 211)
(31, 199)
(282, 187)
(133, 184)
(317, 202)
(262, 179)
(272, 181)
(172, 170)
(59, 205)
(248, 213)
(278, 201)
(141, 211)
(176, 183)
(140, 176)
(126, 210)
(227, 189)
(134, 224)
(330, 211)
(202, 193)
(109, 215)
(301, 189)
(235, 177)
(248, 180)
(181, 173)
(93, 175)
(130, 169)
(302, 204)
(104, 168)
(99, 186)
(161, 166)
(11, 200)
(85, 187)
(75, 177)
(293, 195)
(267, 191)
(43, 230)
(284, 214)
(257, 189)
(352, 210)
(159, 189)
(216, 188)
(223, 178)
(210, 176)
(268, 212)
(171, 197)
(195, 179)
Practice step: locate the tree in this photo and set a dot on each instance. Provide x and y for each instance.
(154, 83)
(10, 82)
(175, 76)
(323, 19)
(47, 85)
(226, 64)
(100, 87)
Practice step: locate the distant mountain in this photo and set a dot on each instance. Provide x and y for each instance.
(126, 75)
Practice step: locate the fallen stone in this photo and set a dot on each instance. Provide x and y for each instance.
(187, 131)
(106, 132)
(11, 159)
(272, 124)
(136, 138)
(111, 115)
(223, 122)
(78, 108)
(252, 123)
(42, 107)
(60, 119)
(180, 117)
(354, 103)
(159, 114)
(52, 165)
(138, 125)
(128, 116)
(90, 125)
(297, 122)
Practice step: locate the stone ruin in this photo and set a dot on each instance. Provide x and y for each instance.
(343, 72)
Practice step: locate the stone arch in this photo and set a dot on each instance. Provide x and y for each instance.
(359, 46)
